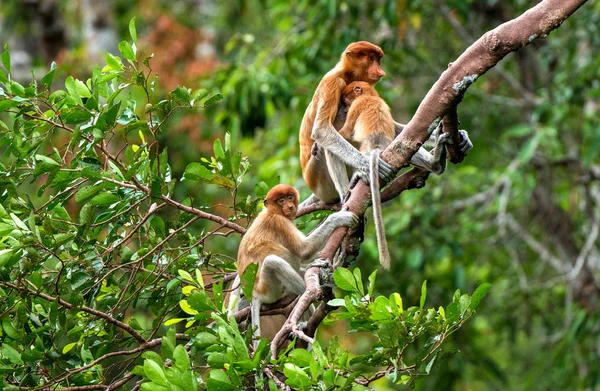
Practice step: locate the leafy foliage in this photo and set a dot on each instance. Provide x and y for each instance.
(99, 261)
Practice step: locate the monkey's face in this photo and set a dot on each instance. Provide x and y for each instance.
(374, 71)
(288, 205)
(283, 200)
(363, 60)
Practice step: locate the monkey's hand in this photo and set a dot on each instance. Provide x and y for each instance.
(386, 172)
(344, 219)
(465, 143)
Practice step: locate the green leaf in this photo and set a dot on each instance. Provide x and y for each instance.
(213, 99)
(186, 276)
(479, 294)
(6, 104)
(195, 171)
(248, 279)
(85, 194)
(154, 387)
(77, 89)
(174, 321)
(19, 223)
(6, 255)
(423, 294)
(182, 94)
(218, 149)
(201, 301)
(114, 62)
(132, 31)
(372, 282)
(47, 79)
(358, 279)
(46, 159)
(126, 51)
(296, 377)
(300, 357)
(105, 199)
(6, 58)
(182, 360)
(168, 343)
(8, 327)
(75, 115)
(11, 354)
(219, 381)
(344, 279)
(68, 347)
(430, 364)
(337, 302)
(204, 340)
(185, 306)
(155, 372)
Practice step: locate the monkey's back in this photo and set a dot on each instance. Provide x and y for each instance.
(329, 89)
(374, 119)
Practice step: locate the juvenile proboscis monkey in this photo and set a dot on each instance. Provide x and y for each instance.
(370, 128)
(279, 248)
(324, 163)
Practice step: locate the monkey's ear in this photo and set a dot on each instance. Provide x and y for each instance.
(349, 53)
(265, 202)
(357, 89)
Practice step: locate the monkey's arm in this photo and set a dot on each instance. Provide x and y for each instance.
(348, 129)
(314, 242)
(326, 136)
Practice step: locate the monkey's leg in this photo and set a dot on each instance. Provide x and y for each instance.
(276, 277)
(338, 173)
(255, 318)
(234, 297)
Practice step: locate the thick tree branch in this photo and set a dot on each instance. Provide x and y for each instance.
(441, 100)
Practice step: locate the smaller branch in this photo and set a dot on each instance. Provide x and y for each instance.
(185, 208)
(100, 314)
(280, 385)
(536, 246)
(282, 306)
(135, 204)
(412, 179)
(312, 294)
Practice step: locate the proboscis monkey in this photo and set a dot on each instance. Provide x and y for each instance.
(279, 248)
(370, 128)
(324, 164)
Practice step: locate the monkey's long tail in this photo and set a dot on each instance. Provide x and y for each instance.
(384, 252)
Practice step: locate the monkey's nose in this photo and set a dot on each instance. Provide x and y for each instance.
(381, 72)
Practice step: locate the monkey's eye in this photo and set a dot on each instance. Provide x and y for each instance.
(291, 198)
(371, 58)
(281, 201)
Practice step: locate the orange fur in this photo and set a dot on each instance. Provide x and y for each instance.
(273, 232)
(359, 62)
(369, 123)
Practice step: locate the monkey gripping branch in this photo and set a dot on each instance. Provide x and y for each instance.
(439, 103)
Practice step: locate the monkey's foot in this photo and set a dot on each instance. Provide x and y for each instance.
(319, 262)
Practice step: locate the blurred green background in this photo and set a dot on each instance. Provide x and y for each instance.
(521, 212)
